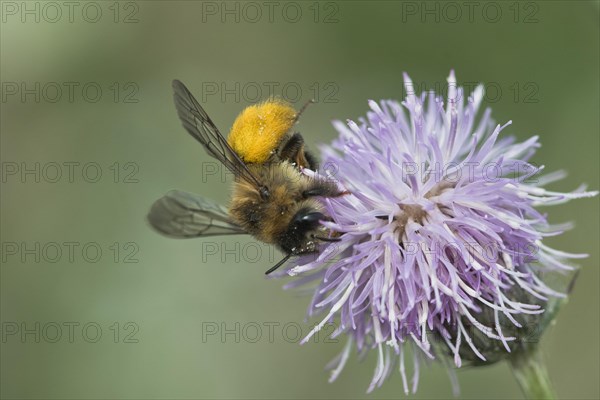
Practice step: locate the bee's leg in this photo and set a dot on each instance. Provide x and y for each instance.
(311, 159)
(292, 147)
(293, 151)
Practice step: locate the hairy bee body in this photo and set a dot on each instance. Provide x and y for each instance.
(284, 217)
(272, 199)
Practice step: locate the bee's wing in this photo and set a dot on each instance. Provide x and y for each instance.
(185, 215)
(197, 122)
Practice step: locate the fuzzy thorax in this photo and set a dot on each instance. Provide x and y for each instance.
(269, 219)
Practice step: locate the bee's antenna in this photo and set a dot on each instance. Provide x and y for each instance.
(311, 101)
(279, 264)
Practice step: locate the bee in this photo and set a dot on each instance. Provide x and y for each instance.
(272, 199)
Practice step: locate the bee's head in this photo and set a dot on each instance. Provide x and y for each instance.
(304, 233)
(305, 230)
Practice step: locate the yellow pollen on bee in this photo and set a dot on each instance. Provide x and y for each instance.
(257, 131)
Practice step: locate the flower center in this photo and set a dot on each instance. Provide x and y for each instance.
(412, 212)
(415, 212)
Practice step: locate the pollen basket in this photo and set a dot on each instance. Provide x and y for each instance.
(258, 130)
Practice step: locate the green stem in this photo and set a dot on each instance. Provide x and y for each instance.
(530, 371)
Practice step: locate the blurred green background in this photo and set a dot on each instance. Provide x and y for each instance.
(539, 60)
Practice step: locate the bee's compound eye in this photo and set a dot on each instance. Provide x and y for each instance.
(308, 220)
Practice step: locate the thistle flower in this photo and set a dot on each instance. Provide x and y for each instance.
(438, 238)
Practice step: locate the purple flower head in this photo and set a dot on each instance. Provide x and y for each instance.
(441, 247)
